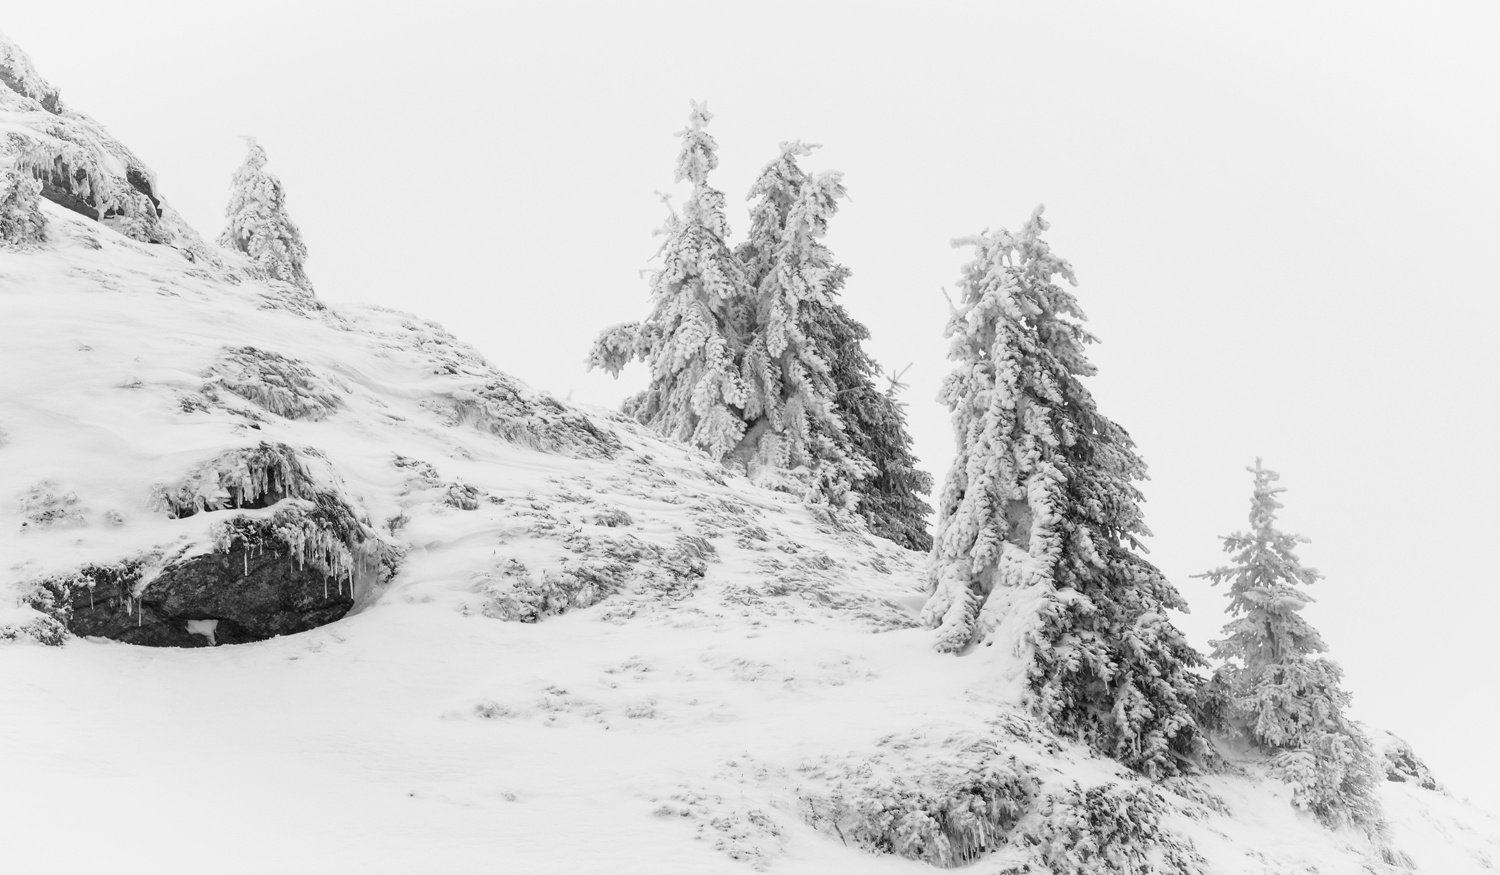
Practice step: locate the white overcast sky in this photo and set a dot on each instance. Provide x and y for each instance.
(1284, 218)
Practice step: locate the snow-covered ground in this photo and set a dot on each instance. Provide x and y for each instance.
(717, 677)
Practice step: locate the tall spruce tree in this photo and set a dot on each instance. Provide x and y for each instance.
(789, 408)
(864, 447)
(259, 225)
(1280, 692)
(694, 337)
(1039, 517)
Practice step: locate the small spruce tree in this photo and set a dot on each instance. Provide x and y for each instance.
(1039, 517)
(693, 338)
(259, 225)
(1277, 687)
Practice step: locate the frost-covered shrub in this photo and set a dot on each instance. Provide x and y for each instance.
(596, 567)
(1333, 775)
(274, 382)
(1111, 829)
(612, 517)
(948, 800)
(514, 593)
(462, 496)
(420, 475)
(247, 478)
(21, 220)
(41, 630)
(750, 835)
(44, 505)
(510, 411)
(943, 802)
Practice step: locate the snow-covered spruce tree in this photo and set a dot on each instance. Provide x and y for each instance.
(1039, 516)
(259, 225)
(693, 338)
(892, 502)
(810, 381)
(1280, 691)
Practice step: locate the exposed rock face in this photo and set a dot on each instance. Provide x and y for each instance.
(1402, 764)
(251, 597)
(79, 165)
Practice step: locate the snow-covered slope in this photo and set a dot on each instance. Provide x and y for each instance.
(573, 646)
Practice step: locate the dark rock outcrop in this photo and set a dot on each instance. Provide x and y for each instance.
(251, 596)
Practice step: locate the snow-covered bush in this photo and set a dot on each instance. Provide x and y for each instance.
(45, 504)
(21, 221)
(947, 800)
(595, 567)
(749, 834)
(42, 629)
(1333, 775)
(942, 801)
(512, 412)
(259, 225)
(1039, 517)
(1109, 829)
(274, 382)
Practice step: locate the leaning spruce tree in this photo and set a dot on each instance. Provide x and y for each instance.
(1039, 518)
(789, 407)
(1279, 691)
(259, 225)
(865, 446)
(693, 338)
